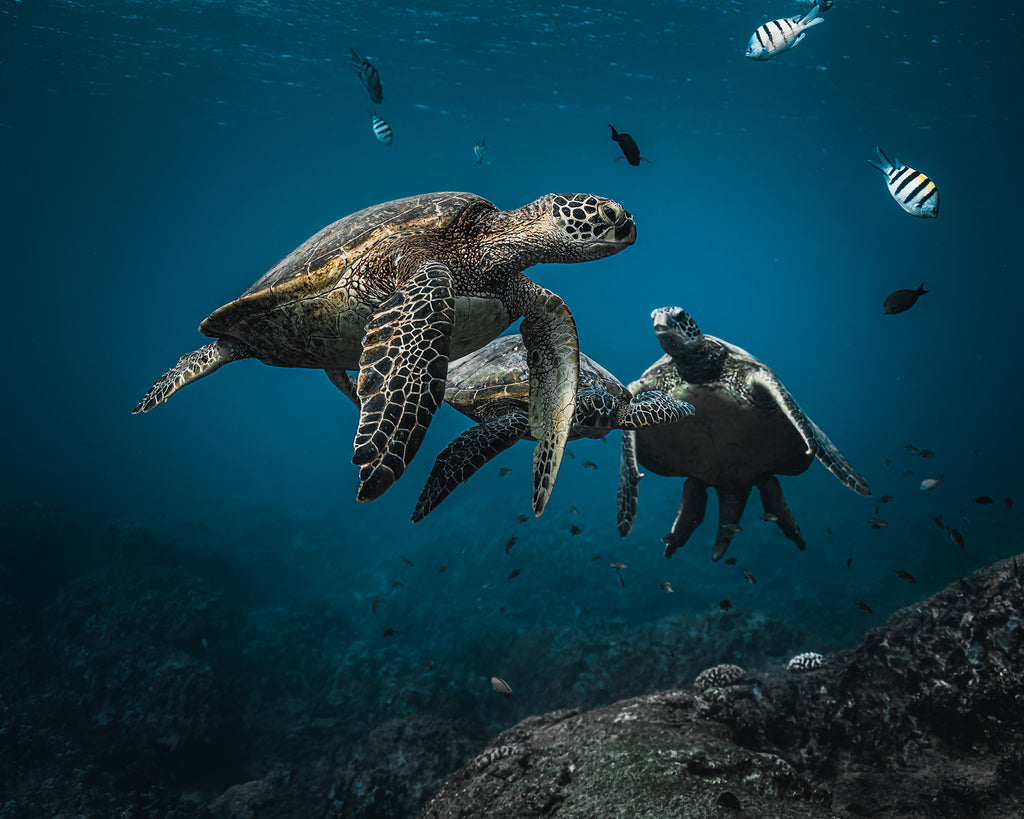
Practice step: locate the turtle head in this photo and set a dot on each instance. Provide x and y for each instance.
(596, 413)
(676, 330)
(579, 227)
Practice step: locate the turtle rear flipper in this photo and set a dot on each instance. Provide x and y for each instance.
(650, 408)
(402, 375)
(689, 517)
(629, 484)
(731, 503)
(553, 356)
(191, 367)
(774, 502)
(461, 459)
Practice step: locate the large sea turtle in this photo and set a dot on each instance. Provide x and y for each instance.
(747, 429)
(492, 387)
(396, 289)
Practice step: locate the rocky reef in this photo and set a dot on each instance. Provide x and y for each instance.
(923, 719)
(144, 673)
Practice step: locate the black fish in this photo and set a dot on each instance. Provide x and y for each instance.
(504, 471)
(629, 148)
(865, 607)
(1008, 502)
(512, 575)
(368, 74)
(905, 575)
(955, 536)
(406, 560)
(388, 632)
(730, 561)
(983, 500)
(725, 605)
(902, 300)
(575, 530)
(509, 544)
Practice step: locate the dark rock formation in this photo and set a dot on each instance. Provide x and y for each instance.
(924, 719)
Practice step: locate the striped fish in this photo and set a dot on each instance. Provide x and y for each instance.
(914, 191)
(368, 74)
(479, 150)
(501, 687)
(777, 36)
(381, 129)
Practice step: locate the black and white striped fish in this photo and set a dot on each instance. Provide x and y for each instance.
(914, 191)
(368, 74)
(479, 151)
(778, 36)
(381, 129)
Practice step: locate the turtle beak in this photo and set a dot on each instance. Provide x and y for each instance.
(625, 233)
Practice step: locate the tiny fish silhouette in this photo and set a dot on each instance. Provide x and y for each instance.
(442, 569)
(404, 558)
(886, 499)
(927, 453)
(595, 556)
(908, 473)
(912, 448)
(480, 151)
(955, 536)
(504, 471)
(574, 510)
(575, 530)
(904, 575)
(900, 301)
(732, 527)
(666, 585)
(376, 604)
(983, 500)
(770, 517)
(512, 575)
(1008, 503)
(630, 151)
(865, 607)
(725, 605)
(749, 575)
(522, 519)
(930, 483)
(381, 129)
(501, 687)
(730, 561)
(509, 544)
(888, 462)
(618, 564)
(398, 584)
(849, 560)
(878, 523)
(368, 74)
(938, 522)
(388, 632)
(589, 465)
(568, 454)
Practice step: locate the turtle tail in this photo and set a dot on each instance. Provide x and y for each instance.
(191, 367)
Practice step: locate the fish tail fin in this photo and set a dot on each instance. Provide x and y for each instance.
(615, 134)
(921, 291)
(811, 18)
(882, 163)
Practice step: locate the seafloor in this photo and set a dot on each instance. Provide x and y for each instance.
(148, 675)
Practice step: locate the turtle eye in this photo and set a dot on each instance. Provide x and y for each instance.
(609, 213)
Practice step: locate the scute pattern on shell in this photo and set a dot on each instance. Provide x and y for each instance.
(808, 661)
(717, 676)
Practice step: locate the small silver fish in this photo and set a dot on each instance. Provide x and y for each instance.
(778, 36)
(771, 517)
(501, 687)
(381, 129)
(368, 74)
(479, 151)
(666, 585)
(912, 190)
(930, 483)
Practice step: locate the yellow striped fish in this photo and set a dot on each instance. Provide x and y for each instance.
(914, 191)
(778, 36)
(479, 151)
(381, 129)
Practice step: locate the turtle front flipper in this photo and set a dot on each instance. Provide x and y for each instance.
(553, 356)
(817, 441)
(827, 452)
(460, 460)
(191, 367)
(774, 502)
(629, 484)
(689, 517)
(402, 375)
(732, 501)
(651, 408)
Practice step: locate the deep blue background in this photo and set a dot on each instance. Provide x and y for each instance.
(160, 156)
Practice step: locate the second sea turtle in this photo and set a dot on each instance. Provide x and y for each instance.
(492, 386)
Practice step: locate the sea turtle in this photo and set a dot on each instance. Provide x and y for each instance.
(492, 387)
(747, 429)
(394, 291)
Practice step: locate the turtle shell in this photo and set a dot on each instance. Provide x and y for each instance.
(737, 435)
(320, 263)
(498, 372)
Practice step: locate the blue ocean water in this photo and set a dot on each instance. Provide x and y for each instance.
(160, 156)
